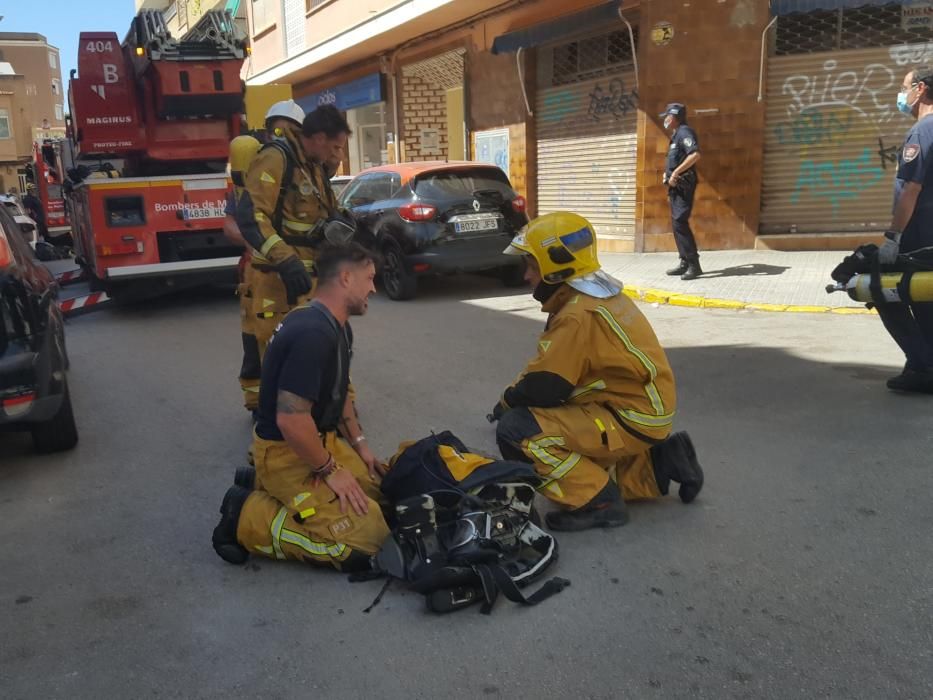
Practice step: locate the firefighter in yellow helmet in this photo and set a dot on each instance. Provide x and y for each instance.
(593, 410)
(242, 151)
(288, 213)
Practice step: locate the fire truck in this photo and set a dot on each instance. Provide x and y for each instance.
(49, 175)
(151, 119)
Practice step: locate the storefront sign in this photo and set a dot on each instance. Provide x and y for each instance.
(357, 93)
(917, 16)
(492, 147)
(662, 33)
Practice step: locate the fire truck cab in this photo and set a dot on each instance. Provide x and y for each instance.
(152, 118)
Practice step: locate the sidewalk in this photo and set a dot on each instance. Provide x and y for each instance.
(762, 280)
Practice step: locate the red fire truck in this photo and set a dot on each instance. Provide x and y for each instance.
(152, 118)
(49, 175)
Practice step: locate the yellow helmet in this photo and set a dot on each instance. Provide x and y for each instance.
(242, 151)
(563, 244)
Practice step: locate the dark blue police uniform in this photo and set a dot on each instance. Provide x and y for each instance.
(912, 326)
(683, 143)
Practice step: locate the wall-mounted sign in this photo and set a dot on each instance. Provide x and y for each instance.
(430, 142)
(917, 16)
(662, 33)
(492, 147)
(357, 93)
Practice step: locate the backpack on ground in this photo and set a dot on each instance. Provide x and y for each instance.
(463, 529)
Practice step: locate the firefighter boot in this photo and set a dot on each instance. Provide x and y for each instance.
(692, 271)
(606, 509)
(676, 460)
(224, 538)
(245, 477)
(679, 270)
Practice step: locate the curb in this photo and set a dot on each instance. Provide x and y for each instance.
(659, 296)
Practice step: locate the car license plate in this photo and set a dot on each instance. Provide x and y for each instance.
(490, 224)
(207, 212)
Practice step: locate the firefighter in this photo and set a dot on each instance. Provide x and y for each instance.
(593, 410)
(319, 500)
(285, 221)
(911, 230)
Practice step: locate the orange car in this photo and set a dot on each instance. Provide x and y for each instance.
(436, 218)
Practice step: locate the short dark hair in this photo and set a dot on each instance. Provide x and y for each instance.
(924, 74)
(331, 257)
(326, 119)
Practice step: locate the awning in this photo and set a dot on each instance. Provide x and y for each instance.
(786, 7)
(557, 29)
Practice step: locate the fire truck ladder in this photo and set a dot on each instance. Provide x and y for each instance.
(213, 37)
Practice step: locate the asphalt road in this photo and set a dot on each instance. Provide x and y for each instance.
(804, 569)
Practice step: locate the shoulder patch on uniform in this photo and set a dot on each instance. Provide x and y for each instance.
(911, 151)
(544, 345)
(688, 142)
(266, 177)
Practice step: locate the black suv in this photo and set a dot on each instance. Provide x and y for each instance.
(436, 218)
(33, 364)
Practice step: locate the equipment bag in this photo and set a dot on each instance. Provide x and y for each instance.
(463, 529)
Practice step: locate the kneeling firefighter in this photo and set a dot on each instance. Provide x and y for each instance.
(593, 411)
(319, 496)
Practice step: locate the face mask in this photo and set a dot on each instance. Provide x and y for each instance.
(668, 120)
(903, 105)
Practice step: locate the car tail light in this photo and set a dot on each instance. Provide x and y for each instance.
(417, 212)
(519, 204)
(6, 255)
(18, 405)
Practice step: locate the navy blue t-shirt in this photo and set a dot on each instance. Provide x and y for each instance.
(308, 356)
(914, 164)
(683, 143)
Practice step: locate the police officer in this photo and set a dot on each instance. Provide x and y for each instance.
(319, 497)
(911, 229)
(680, 176)
(289, 212)
(593, 410)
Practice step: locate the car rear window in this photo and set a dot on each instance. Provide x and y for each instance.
(450, 184)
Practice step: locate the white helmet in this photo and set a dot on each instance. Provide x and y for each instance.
(287, 109)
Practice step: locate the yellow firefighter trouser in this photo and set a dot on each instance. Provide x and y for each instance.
(270, 304)
(250, 370)
(578, 449)
(296, 517)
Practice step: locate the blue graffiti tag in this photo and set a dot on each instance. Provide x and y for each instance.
(558, 105)
(837, 181)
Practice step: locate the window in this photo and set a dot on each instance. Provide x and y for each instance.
(848, 28)
(454, 184)
(56, 87)
(170, 14)
(53, 60)
(59, 112)
(370, 188)
(124, 211)
(263, 15)
(31, 90)
(314, 4)
(5, 131)
(590, 58)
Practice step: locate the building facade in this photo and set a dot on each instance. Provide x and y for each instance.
(32, 57)
(15, 129)
(793, 102)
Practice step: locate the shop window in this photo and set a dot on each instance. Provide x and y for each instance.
(835, 30)
(5, 131)
(124, 211)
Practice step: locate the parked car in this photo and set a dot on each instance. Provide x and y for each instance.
(436, 218)
(33, 362)
(338, 183)
(26, 224)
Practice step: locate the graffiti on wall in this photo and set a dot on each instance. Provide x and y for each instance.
(841, 130)
(613, 100)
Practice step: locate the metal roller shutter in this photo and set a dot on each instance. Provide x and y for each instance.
(832, 137)
(587, 146)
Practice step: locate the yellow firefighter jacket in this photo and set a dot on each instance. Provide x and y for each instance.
(308, 201)
(600, 351)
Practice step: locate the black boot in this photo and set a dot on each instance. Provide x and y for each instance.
(606, 509)
(692, 271)
(676, 460)
(224, 539)
(679, 270)
(912, 381)
(245, 477)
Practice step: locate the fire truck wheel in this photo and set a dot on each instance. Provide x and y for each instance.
(59, 433)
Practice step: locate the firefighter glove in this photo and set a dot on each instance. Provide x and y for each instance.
(497, 411)
(888, 252)
(295, 277)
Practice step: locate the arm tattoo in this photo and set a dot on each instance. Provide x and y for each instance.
(287, 402)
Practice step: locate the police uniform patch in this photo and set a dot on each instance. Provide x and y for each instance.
(305, 188)
(339, 526)
(911, 151)
(688, 142)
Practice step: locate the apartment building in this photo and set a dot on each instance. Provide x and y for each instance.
(32, 57)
